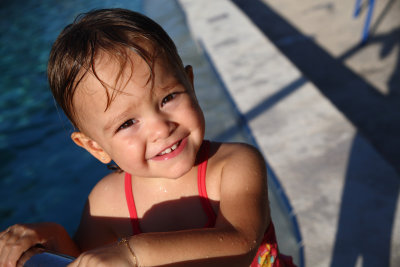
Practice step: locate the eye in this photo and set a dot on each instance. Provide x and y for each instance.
(168, 98)
(126, 124)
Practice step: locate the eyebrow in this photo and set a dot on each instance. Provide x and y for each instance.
(170, 85)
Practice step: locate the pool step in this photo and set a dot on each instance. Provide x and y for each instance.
(328, 170)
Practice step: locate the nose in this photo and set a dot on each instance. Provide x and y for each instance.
(160, 127)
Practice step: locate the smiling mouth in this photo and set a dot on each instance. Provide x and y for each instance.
(170, 149)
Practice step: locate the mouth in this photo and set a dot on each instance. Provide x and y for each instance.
(171, 151)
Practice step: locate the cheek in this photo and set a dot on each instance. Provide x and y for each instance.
(126, 149)
(198, 116)
(192, 113)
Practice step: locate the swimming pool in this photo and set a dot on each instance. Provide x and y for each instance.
(44, 176)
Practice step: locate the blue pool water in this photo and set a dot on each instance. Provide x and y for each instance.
(43, 175)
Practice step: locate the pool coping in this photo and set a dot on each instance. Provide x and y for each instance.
(306, 141)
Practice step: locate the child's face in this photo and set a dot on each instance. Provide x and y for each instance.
(147, 132)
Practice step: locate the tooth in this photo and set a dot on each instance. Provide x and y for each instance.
(169, 150)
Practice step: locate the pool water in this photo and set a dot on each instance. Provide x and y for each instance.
(43, 175)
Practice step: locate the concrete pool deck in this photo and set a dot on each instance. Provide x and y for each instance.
(343, 191)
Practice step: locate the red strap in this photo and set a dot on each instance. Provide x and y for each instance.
(201, 183)
(131, 204)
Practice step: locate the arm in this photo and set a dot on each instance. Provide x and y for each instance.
(93, 231)
(17, 241)
(241, 222)
(99, 213)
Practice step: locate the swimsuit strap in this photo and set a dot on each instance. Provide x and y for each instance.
(201, 183)
(131, 204)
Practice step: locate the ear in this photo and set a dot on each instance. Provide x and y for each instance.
(190, 75)
(91, 146)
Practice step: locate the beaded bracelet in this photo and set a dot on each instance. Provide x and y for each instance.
(125, 242)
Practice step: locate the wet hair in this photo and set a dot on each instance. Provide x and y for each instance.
(116, 32)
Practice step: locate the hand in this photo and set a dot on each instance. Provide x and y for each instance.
(111, 255)
(17, 240)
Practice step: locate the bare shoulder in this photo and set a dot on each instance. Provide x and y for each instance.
(240, 157)
(107, 194)
(237, 166)
(232, 151)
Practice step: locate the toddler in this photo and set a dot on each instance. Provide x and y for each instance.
(176, 199)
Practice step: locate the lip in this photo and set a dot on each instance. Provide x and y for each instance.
(174, 153)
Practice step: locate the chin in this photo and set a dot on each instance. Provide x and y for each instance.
(177, 173)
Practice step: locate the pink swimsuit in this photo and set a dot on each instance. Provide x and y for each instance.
(267, 254)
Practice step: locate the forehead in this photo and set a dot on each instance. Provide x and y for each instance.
(112, 79)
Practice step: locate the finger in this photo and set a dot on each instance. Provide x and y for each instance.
(75, 263)
(85, 259)
(6, 246)
(28, 254)
(4, 232)
(3, 240)
(20, 246)
(4, 236)
(13, 247)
